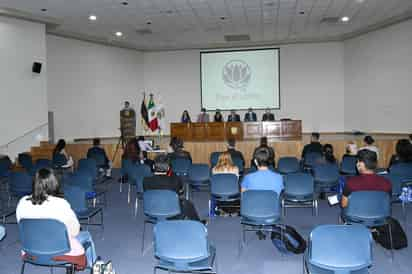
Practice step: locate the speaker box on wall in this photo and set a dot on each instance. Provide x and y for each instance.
(36, 67)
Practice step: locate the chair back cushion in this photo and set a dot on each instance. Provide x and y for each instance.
(161, 204)
(288, 165)
(260, 205)
(224, 185)
(299, 185)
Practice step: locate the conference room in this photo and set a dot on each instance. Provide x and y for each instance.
(205, 136)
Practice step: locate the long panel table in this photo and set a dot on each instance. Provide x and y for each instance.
(220, 131)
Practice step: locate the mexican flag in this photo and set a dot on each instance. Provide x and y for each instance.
(152, 111)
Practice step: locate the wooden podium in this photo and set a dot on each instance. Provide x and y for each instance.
(220, 131)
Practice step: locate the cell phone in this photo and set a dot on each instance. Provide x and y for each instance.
(333, 200)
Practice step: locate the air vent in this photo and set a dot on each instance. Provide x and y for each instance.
(144, 31)
(330, 20)
(237, 38)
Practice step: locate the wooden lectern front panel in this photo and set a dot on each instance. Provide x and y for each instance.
(292, 129)
(180, 130)
(272, 129)
(252, 130)
(216, 131)
(234, 130)
(198, 131)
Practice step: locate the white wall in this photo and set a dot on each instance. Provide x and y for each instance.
(311, 83)
(23, 104)
(378, 80)
(87, 85)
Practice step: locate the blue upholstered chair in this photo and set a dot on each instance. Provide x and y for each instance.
(183, 246)
(42, 240)
(20, 184)
(326, 177)
(41, 163)
(348, 165)
(59, 160)
(199, 179)
(82, 178)
(223, 188)
(237, 161)
(370, 208)
(5, 166)
(288, 165)
(311, 159)
(354, 243)
(137, 173)
(6, 211)
(159, 205)
(259, 211)
(402, 169)
(214, 157)
(88, 165)
(76, 196)
(124, 171)
(299, 191)
(181, 166)
(26, 161)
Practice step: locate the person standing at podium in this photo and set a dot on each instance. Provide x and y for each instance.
(268, 116)
(250, 116)
(218, 116)
(233, 116)
(203, 117)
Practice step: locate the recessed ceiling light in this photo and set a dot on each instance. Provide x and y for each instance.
(345, 19)
(43, 10)
(124, 3)
(92, 17)
(148, 22)
(302, 12)
(119, 33)
(222, 18)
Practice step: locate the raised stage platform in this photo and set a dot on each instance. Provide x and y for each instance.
(201, 151)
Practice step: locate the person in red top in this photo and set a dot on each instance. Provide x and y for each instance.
(367, 180)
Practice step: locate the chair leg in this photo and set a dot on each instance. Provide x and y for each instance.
(22, 268)
(283, 208)
(391, 240)
(128, 194)
(136, 206)
(143, 235)
(102, 220)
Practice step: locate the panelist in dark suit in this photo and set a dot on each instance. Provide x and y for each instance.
(268, 116)
(250, 116)
(218, 116)
(233, 116)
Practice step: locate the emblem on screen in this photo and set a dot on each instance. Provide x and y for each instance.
(236, 74)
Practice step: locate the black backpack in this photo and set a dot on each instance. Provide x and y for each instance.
(290, 238)
(399, 239)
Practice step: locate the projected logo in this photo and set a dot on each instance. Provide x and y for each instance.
(236, 74)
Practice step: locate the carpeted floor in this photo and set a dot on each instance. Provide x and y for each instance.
(121, 242)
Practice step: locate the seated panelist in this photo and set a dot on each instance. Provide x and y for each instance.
(218, 116)
(268, 116)
(233, 116)
(185, 117)
(203, 117)
(250, 116)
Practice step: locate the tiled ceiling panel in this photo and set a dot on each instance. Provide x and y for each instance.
(162, 24)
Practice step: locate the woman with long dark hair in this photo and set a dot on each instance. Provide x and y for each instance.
(43, 203)
(60, 152)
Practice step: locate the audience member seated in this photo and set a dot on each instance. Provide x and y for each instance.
(367, 179)
(97, 150)
(44, 204)
(231, 148)
(250, 116)
(218, 116)
(264, 143)
(263, 178)
(225, 165)
(410, 138)
(268, 116)
(203, 117)
(328, 155)
(313, 146)
(131, 151)
(185, 117)
(233, 116)
(351, 149)
(178, 151)
(164, 179)
(59, 149)
(403, 152)
(368, 144)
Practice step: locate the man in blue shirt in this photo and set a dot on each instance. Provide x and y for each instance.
(263, 178)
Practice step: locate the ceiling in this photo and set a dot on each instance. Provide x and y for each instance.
(183, 24)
